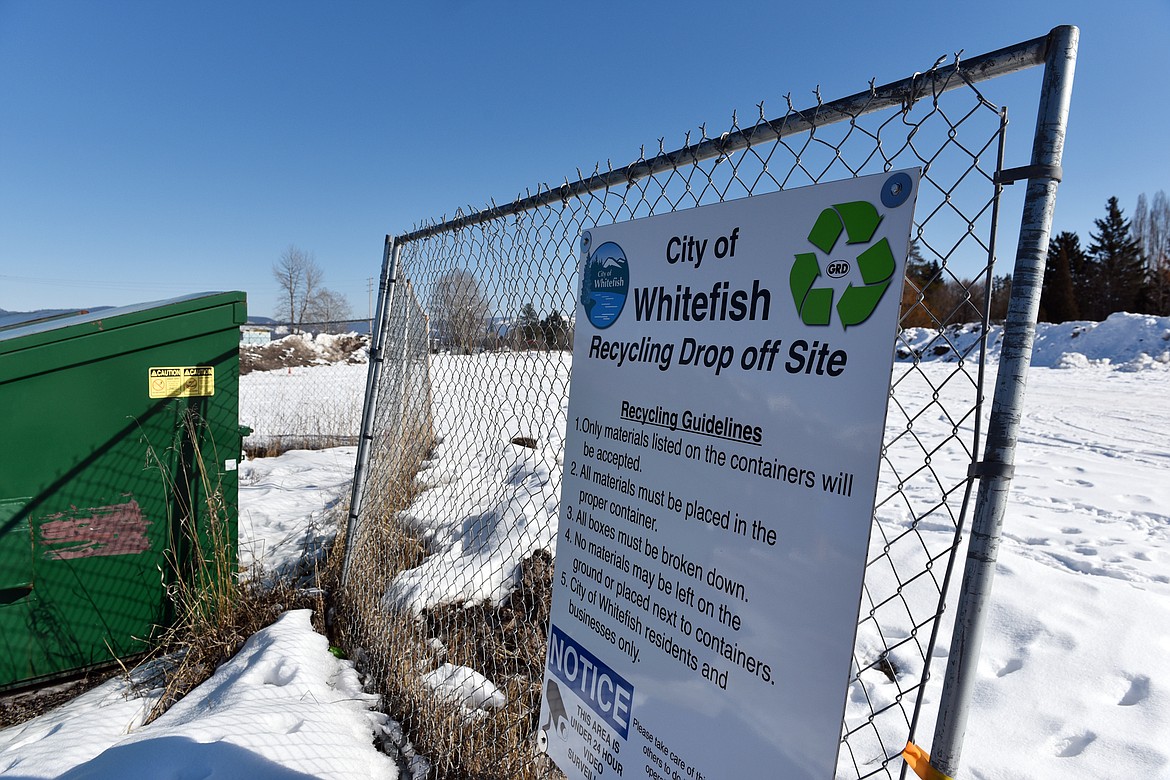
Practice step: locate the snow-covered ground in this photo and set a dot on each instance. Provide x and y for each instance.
(310, 405)
(1074, 679)
(285, 505)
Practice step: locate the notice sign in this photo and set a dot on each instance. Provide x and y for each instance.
(731, 368)
(181, 381)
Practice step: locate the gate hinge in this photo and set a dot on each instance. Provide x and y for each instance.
(987, 468)
(1013, 175)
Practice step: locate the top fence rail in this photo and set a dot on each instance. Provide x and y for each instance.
(905, 92)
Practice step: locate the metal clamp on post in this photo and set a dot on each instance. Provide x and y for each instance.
(1013, 175)
(987, 468)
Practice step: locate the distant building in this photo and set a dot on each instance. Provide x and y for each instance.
(255, 335)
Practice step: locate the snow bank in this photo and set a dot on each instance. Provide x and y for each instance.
(283, 708)
(305, 349)
(489, 503)
(1130, 341)
(285, 502)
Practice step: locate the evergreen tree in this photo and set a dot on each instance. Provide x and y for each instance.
(1058, 299)
(1001, 294)
(1119, 265)
(531, 334)
(556, 331)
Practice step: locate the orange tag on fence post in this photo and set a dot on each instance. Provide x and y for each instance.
(919, 760)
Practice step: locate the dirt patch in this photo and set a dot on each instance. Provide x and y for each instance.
(19, 706)
(297, 350)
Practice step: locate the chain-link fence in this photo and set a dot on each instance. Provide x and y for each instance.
(302, 389)
(402, 381)
(456, 501)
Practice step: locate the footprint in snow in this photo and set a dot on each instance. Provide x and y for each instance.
(1139, 691)
(1014, 665)
(280, 674)
(1072, 746)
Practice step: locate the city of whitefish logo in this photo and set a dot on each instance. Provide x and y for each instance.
(605, 282)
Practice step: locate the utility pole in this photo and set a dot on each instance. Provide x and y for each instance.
(370, 291)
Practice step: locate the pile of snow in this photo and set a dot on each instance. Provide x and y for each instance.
(507, 494)
(282, 708)
(305, 350)
(1131, 341)
(465, 687)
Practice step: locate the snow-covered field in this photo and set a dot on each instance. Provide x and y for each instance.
(320, 405)
(1075, 669)
(1074, 676)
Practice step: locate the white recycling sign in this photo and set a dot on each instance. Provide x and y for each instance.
(731, 369)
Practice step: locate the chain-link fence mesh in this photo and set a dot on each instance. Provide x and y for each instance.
(302, 390)
(447, 594)
(404, 423)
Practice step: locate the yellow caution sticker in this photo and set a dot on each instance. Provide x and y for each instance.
(182, 381)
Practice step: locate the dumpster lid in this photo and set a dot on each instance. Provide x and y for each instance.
(85, 322)
(20, 319)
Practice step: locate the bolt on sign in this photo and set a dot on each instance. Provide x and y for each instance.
(731, 370)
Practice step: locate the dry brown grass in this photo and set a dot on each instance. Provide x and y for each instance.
(273, 446)
(505, 642)
(214, 610)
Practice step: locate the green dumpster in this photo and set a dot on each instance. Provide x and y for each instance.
(118, 455)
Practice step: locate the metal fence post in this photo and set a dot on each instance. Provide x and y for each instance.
(390, 255)
(995, 471)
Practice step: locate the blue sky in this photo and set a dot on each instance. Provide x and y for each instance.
(153, 149)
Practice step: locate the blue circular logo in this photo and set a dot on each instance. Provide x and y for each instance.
(605, 284)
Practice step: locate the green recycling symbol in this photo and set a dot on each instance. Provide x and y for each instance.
(859, 221)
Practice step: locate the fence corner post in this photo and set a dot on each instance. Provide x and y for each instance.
(390, 254)
(995, 471)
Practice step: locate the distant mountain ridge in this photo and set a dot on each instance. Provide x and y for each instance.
(9, 319)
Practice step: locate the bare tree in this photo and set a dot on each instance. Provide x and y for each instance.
(299, 278)
(459, 311)
(330, 310)
(1151, 227)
